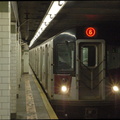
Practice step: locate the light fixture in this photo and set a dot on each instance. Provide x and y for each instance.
(52, 11)
(52, 16)
(61, 3)
(64, 89)
(47, 19)
(115, 88)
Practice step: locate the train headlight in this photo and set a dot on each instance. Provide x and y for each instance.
(115, 88)
(64, 89)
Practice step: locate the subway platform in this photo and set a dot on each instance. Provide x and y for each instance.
(32, 103)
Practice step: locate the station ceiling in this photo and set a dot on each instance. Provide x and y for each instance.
(74, 13)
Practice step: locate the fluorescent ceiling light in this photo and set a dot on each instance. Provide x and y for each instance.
(53, 10)
(47, 18)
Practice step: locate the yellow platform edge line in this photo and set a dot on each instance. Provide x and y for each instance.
(50, 110)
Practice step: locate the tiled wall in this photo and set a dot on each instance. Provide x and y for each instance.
(18, 62)
(10, 62)
(5, 60)
(13, 68)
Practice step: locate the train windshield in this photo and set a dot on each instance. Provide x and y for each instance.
(65, 56)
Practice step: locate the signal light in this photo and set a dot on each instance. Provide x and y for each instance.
(90, 32)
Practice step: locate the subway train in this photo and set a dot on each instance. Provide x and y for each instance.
(77, 74)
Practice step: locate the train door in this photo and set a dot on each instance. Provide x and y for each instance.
(37, 61)
(40, 63)
(90, 68)
(46, 67)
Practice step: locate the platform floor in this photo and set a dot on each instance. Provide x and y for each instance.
(32, 102)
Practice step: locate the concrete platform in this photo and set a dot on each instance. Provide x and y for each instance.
(32, 102)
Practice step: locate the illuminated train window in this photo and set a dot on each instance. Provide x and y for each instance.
(88, 55)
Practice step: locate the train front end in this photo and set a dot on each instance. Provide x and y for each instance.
(80, 83)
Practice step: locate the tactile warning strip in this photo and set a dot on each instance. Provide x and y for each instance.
(50, 110)
(30, 106)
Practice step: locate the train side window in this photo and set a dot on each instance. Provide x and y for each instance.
(88, 55)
